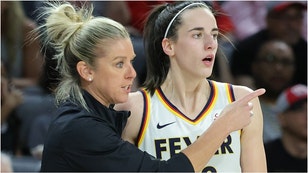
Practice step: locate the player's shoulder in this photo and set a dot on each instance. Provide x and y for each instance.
(135, 99)
(240, 90)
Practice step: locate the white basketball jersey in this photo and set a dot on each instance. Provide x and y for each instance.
(165, 130)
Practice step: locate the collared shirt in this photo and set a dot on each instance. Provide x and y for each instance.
(81, 140)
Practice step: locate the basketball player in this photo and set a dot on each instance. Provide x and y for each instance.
(178, 103)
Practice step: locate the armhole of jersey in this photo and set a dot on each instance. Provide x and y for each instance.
(231, 97)
(145, 116)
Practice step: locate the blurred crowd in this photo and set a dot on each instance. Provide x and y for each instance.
(263, 44)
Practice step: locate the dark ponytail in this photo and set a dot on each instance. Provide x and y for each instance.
(158, 63)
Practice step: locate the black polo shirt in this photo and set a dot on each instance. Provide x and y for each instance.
(79, 140)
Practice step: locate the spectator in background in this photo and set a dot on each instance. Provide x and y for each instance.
(289, 153)
(10, 99)
(272, 69)
(21, 54)
(49, 81)
(284, 21)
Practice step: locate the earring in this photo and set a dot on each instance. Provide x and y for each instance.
(90, 79)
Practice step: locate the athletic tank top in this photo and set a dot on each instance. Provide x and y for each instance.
(165, 130)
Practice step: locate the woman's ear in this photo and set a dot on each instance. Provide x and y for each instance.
(85, 71)
(167, 47)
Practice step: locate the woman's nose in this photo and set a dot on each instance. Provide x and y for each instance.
(131, 74)
(210, 42)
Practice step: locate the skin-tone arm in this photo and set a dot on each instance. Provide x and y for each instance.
(132, 127)
(234, 117)
(252, 149)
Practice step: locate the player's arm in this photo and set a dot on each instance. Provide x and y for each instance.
(252, 149)
(135, 106)
(234, 116)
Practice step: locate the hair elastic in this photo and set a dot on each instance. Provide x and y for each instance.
(175, 16)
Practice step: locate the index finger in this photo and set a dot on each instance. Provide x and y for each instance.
(251, 96)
